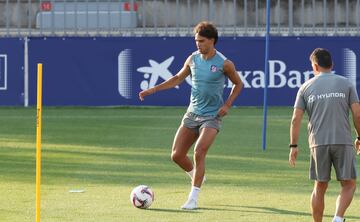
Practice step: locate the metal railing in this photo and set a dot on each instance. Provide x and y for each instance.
(22, 18)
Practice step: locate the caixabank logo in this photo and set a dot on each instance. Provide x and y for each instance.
(280, 75)
(125, 73)
(350, 65)
(152, 73)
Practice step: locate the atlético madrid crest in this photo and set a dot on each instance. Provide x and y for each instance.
(213, 68)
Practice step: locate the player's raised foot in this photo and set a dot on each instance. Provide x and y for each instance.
(190, 204)
(337, 219)
(204, 179)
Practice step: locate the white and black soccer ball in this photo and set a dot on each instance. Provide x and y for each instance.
(142, 196)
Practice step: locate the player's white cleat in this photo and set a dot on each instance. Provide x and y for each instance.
(190, 204)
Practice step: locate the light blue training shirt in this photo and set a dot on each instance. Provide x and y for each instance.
(208, 81)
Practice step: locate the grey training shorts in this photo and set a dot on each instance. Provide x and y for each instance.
(342, 157)
(196, 122)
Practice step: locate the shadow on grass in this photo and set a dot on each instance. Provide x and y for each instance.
(271, 210)
(100, 165)
(173, 210)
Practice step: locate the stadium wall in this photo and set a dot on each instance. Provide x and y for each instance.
(111, 71)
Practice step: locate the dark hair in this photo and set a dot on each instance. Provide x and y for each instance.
(321, 57)
(207, 30)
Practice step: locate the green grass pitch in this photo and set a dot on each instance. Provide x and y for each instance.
(108, 151)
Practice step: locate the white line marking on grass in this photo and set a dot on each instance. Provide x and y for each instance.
(137, 117)
(77, 191)
(93, 117)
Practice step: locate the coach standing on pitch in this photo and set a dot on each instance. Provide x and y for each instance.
(327, 98)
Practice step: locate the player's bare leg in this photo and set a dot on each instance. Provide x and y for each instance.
(183, 141)
(345, 197)
(206, 138)
(317, 200)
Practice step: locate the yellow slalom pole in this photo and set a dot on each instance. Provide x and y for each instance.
(38, 140)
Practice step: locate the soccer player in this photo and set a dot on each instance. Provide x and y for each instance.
(327, 99)
(201, 123)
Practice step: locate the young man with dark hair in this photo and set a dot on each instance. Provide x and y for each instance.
(201, 123)
(327, 99)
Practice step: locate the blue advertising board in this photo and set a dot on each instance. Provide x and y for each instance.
(11, 71)
(112, 71)
(105, 71)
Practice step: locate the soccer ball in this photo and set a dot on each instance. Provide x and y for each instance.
(142, 196)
